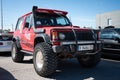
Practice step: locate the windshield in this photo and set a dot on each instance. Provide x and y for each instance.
(45, 19)
(117, 30)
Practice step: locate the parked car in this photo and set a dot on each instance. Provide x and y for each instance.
(6, 41)
(111, 38)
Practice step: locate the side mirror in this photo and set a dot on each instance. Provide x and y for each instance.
(26, 25)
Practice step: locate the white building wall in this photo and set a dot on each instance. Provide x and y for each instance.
(102, 19)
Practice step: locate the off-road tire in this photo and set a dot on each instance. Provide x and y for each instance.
(17, 56)
(48, 64)
(89, 60)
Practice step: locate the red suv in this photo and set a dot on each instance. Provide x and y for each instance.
(50, 36)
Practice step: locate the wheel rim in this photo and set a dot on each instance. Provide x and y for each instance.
(39, 59)
(13, 52)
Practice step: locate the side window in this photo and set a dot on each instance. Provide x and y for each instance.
(19, 24)
(109, 22)
(28, 21)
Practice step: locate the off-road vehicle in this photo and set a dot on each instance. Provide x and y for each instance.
(50, 36)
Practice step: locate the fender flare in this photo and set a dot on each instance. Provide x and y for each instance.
(45, 37)
(17, 41)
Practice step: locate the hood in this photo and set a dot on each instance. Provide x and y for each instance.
(65, 28)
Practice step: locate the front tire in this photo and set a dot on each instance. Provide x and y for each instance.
(89, 60)
(17, 56)
(44, 59)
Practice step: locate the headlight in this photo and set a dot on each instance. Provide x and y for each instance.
(61, 36)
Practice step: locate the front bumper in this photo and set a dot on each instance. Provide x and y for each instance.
(71, 47)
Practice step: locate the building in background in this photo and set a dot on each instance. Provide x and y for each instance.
(108, 19)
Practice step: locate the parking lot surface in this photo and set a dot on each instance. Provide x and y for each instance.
(68, 70)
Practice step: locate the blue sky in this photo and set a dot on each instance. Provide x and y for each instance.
(81, 12)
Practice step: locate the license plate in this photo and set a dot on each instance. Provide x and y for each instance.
(9, 43)
(85, 47)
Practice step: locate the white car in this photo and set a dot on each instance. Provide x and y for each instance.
(5, 42)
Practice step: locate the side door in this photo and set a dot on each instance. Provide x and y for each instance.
(28, 34)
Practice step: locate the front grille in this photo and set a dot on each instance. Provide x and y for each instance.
(84, 35)
(81, 35)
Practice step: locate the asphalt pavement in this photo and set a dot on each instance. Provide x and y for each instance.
(68, 70)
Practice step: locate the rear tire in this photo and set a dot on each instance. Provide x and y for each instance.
(89, 60)
(44, 59)
(17, 56)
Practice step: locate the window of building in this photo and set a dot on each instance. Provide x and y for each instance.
(109, 22)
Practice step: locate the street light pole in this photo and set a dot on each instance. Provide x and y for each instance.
(1, 16)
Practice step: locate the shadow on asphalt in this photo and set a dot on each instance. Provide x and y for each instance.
(5, 75)
(5, 54)
(8, 54)
(70, 70)
(109, 54)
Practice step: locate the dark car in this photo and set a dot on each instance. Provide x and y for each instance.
(111, 38)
